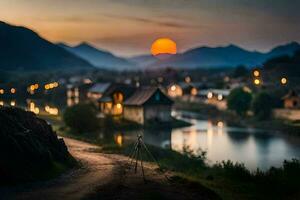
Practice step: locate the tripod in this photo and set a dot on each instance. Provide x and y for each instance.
(136, 155)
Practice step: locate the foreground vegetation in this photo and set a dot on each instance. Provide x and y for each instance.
(229, 180)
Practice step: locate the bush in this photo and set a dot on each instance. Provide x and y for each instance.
(239, 101)
(81, 118)
(262, 106)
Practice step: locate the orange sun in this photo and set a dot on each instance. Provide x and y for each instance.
(163, 46)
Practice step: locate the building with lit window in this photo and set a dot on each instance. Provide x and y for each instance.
(148, 104)
(97, 91)
(291, 100)
(112, 100)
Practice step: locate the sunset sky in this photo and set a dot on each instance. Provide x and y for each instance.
(128, 27)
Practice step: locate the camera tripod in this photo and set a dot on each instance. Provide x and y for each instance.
(136, 156)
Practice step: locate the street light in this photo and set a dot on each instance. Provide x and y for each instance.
(256, 73)
(256, 81)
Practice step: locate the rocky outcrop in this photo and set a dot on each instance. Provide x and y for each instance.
(29, 149)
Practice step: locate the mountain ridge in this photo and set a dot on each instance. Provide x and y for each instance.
(98, 57)
(24, 49)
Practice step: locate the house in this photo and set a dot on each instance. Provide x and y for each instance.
(148, 104)
(111, 102)
(291, 100)
(97, 91)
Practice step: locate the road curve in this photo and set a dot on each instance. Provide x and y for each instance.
(104, 176)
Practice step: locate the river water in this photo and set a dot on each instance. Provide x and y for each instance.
(255, 148)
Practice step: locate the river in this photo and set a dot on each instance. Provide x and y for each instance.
(255, 148)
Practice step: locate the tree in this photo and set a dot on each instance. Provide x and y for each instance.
(81, 118)
(262, 105)
(239, 101)
(240, 71)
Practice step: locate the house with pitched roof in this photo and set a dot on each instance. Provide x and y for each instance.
(291, 100)
(148, 104)
(111, 102)
(97, 90)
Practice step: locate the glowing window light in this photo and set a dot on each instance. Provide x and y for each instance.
(283, 81)
(32, 87)
(55, 84)
(36, 86)
(119, 139)
(209, 95)
(119, 106)
(220, 124)
(194, 91)
(2, 91)
(51, 111)
(220, 97)
(13, 90)
(1, 103)
(12, 103)
(173, 87)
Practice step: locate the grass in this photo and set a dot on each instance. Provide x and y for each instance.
(229, 180)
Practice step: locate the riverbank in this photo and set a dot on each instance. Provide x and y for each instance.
(108, 176)
(229, 180)
(205, 111)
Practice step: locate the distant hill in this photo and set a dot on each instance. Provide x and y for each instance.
(212, 57)
(143, 60)
(99, 58)
(23, 49)
(287, 65)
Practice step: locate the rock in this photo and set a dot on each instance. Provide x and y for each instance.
(29, 148)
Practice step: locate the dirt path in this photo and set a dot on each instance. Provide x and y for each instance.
(105, 176)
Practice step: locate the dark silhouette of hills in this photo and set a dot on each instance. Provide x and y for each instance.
(23, 49)
(212, 57)
(285, 65)
(99, 58)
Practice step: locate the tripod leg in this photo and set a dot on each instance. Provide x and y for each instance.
(132, 152)
(136, 161)
(134, 155)
(142, 166)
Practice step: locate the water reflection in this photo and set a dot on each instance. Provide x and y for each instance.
(119, 139)
(255, 148)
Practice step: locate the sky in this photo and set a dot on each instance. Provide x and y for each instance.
(128, 27)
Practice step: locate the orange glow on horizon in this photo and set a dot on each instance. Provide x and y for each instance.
(163, 46)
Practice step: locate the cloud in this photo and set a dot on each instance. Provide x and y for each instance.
(164, 23)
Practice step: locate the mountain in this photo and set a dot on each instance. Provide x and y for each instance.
(99, 58)
(143, 60)
(212, 57)
(287, 49)
(21, 48)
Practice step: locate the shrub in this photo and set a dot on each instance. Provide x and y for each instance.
(239, 101)
(81, 118)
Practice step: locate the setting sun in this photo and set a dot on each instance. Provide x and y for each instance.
(163, 46)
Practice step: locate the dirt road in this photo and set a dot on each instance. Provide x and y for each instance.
(105, 176)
